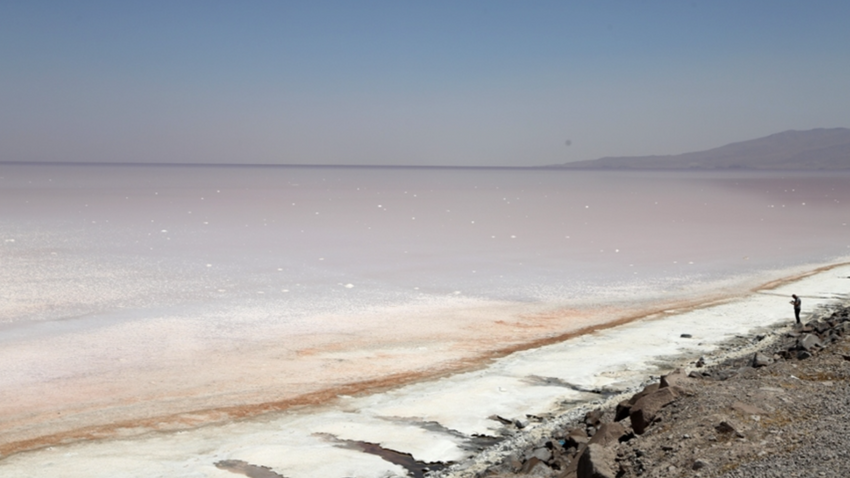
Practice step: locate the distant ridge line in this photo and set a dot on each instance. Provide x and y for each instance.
(260, 165)
(818, 149)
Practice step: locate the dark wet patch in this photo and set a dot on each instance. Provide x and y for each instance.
(474, 443)
(484, 441)
(557, 382)
(247, 469)
(414, 467)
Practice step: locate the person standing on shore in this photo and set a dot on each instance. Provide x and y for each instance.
(797, 305)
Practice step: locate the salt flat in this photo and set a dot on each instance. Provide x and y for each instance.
(311, 442)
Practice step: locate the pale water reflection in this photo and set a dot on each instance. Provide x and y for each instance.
(140, 298)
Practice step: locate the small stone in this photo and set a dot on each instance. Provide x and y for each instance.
(747, 409)
(728, 427)
(593, 417)
(686, 336)
(542, 454)
(761, 360)
(699, 465)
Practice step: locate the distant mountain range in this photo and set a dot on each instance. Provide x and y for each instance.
(816, 149)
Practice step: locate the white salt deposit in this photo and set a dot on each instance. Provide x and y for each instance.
(105, 319)
(311, 442)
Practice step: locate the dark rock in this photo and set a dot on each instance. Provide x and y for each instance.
(808, 342)
(728, 426)
(686, 336)
(803, 355)
(531, 464)
(502, 420)
(608, 433)
(676, 379)
(622, 410)
(820, 326)
(644, 411)
(576, 438)
(700, 363)
(761, 360)
(646, 391)
(747, 409)
(699, 464)
(725, 374)
(596, 462)
(593, 418)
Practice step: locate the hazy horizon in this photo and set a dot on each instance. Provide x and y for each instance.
(385, 84)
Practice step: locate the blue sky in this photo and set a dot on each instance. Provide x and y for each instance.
(428, 83)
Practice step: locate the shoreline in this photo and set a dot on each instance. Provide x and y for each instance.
(659, 314)
(704, 387)
(731, 351)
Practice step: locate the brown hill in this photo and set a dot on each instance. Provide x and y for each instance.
(816, 149)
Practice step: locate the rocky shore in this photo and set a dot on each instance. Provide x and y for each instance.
(778, 409)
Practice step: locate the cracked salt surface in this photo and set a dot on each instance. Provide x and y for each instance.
(435, 420)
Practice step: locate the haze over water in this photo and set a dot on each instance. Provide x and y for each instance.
(133, 293)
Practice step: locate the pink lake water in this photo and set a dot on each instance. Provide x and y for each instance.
(153, 297)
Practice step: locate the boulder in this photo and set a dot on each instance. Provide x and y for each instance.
(646, 391)
(808, 342)
(677, 379)
(622, 411)
(644, 411)
(596, 462)
(820, 326)
(608, 433)
(576, 438)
